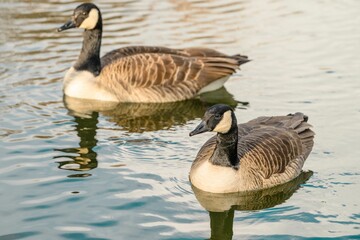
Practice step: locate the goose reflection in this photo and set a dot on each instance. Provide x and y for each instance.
(221, 207)
(142, 117)
(82, 158)
(131, 117)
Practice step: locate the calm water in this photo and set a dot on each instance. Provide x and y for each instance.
(121, 172)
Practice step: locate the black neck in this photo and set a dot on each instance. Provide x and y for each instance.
(225, 153)
(89, 59)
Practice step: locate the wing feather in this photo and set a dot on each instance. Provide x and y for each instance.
(154, 69)
(145, 72)
(269, 150)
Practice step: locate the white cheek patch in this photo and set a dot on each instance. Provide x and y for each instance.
(225, 124)
(91, 21)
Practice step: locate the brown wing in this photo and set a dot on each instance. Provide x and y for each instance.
(293, 122)
(275, 143)
(268, 150)
(186, 52)
(173, 77)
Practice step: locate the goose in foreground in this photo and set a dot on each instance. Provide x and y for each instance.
(259, 154)
(141, 73)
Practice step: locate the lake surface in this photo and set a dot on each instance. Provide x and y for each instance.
(121, 172)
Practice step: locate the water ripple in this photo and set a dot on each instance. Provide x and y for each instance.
(81, 170)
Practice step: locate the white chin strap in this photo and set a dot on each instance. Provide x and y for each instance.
(225, 123)
(91, 21)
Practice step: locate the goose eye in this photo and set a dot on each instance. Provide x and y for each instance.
(83, 13)
(217, 116)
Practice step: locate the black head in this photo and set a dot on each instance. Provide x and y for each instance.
(86, 16)
(218, 118)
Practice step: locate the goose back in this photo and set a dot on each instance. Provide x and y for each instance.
(158, 74)
(186, 52)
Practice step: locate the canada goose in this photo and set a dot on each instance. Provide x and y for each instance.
(259, 154)
(141, 73)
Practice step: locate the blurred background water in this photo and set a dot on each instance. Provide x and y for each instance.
(121, 172)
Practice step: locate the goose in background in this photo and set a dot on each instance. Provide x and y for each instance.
(262, 153)
(141, 73)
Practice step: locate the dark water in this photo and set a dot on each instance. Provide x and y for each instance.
(121, 172)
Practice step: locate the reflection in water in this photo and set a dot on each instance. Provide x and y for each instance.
(85, 158)
(141, 117)
(221, 207)
(131, 117)
(306, 57)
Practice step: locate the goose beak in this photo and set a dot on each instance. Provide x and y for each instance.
(67, 25)
(201, 128)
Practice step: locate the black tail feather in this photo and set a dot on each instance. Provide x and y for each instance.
(241, 59)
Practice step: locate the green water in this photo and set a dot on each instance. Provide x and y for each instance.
(121, 172)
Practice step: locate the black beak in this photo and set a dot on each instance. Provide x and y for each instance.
(67, 25)
(201, 128)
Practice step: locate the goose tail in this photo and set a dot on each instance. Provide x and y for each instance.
(302, 127)
(241, 59)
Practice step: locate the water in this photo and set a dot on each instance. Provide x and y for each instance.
(121, 172)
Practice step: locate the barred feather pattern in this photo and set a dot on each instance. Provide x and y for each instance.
(158, 74)
(272, 151)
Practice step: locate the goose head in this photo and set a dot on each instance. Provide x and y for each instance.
(86, 16)
(219, 118)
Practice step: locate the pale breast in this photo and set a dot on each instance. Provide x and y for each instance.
(83, 84)
(214, 178)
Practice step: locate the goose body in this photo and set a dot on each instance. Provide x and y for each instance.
(262, 153)
(141, 73)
